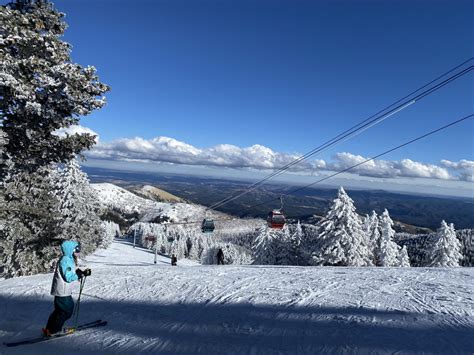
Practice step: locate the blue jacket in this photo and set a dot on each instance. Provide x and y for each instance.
(65, 270)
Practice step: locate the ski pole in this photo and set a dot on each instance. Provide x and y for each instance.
(78, 304)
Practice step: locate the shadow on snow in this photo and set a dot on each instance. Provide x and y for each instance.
(232, 329)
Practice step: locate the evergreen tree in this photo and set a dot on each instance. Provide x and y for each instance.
(282, 246)
(387, 252)
(233, 254)
(264, 247)
(446, 251)
(111, 231)
(342, 241)
(78, 207)
(42, 90)
(310, 244)
(372, 230)
(296, 242)
(29, 224)
(403, 259)
(179, 245)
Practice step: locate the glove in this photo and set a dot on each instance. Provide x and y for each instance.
(83, 273)
(79, 273)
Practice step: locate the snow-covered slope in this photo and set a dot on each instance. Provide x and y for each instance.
(192, 309)
(115, 197)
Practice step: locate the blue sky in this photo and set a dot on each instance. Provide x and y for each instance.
(287, 75)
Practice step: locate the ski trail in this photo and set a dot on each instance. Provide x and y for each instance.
(250, 309)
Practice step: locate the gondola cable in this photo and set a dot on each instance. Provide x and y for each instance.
(369, 159)
(359, 128)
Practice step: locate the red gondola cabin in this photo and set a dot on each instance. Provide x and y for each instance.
(276, 219)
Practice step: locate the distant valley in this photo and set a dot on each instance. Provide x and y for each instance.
(412, 213)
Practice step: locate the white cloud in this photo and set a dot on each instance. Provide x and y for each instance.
(465, 168)
(165, 149)
(389, 169)
(412, 168)
(76, 129)
(169, 150)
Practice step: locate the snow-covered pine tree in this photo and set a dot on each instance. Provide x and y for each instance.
(4, 157)
(366, 223)
(466, 236)
(201, 242)
(78, 207)
(403, 259)
(296, 243)
(111, 231)
(342, 241)
(372, 229)
(387, 253)
(282, 246)
(264, 247)
(446, 251)
(179, 245)
(42, 90)
(310, 243)
(233, 254)
(29, 224)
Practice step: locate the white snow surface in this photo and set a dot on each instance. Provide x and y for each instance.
(113, 196)
(191, 309)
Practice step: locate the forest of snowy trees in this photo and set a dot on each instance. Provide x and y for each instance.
(45, 198)
(341, 238)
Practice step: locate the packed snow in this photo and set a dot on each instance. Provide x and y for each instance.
(191, 308)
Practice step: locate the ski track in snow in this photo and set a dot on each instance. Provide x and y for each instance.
(248, 309)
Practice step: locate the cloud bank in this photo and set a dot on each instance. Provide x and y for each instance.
(465, 168)
(169, 150)
(389, 169)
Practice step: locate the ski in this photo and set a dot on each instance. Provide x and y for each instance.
(97, 323)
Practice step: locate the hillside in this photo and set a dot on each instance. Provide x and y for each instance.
(124, 202)
(190, 309)
(156, 194)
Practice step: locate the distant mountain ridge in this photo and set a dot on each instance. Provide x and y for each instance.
(415, 213)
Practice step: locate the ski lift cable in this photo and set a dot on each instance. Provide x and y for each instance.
(324, 148)
(369, 159)
(345, 134)
(356, 130)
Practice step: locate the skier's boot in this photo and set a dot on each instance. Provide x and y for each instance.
(46, 332)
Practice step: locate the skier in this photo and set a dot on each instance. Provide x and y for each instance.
(220, 257)
(174, 260)
(64, 275)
